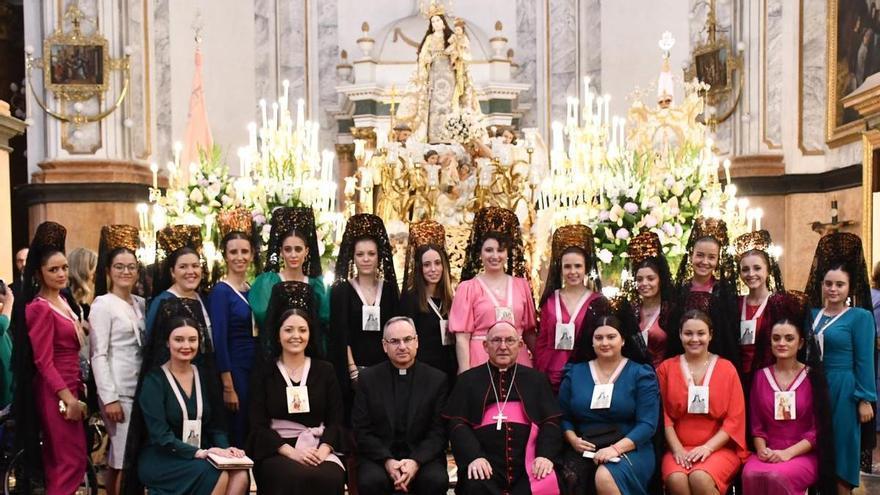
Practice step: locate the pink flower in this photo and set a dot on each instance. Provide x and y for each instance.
(630, 207)
(622, 234)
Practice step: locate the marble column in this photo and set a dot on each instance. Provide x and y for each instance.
(526, 58)
(813, 90)
(95, 171)
(563, 55)
(9, 128)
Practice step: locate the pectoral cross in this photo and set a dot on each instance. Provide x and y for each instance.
(499, 418)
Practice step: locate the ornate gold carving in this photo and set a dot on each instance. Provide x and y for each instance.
(870, 145)
(77, 67)
(836, 135)
(715, 64)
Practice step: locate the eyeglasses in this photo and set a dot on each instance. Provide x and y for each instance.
(509, 341)
(119, 267)
(396, 342)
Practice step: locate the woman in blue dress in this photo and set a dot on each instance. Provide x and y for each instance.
(292, 256)
(844, 335)
(181, 274)
(233, 326)
(611, 404)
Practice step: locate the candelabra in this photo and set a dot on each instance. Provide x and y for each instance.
(280, 166)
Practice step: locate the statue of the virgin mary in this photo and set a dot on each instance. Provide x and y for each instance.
(433, 95)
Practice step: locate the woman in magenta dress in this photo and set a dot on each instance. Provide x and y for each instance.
(571, 292)
(48, 369)
(790, 434)
(492, 288)
(759, 272)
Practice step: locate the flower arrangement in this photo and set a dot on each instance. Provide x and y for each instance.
(465, 126)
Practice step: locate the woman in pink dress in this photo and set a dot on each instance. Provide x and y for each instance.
(570, 293)
(492, 288)
(790, 416)
(49, 382)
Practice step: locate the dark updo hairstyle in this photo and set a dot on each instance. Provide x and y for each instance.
(661, 268)
(274, 343)
(504, 240)
(696, 314)
(164, 281)
(620, 319)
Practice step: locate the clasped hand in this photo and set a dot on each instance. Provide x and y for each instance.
(774, 456)
(307, 456)
(694, 456)
(402, 472)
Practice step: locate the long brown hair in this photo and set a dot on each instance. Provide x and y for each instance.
(444, 287)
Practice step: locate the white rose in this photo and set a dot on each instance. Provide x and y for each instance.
(196, 195)
(605, 256)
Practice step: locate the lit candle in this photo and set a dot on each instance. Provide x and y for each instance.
(759, 214)
(172, 174)
(284, 98)
(606, 99)
(154, 167)
(273, 124)
(588, 107)
(598, 120)
(727, 171)
(178, 148)
(558, 144)
(142, 215)
(300, 113)
(252, 135)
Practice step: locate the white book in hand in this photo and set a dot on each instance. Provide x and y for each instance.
(221, 462)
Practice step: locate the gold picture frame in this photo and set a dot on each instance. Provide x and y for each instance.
(710, 65)
(77, 67)
(841, 127)
(870, 150)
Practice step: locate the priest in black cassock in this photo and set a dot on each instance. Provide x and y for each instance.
(504, 423)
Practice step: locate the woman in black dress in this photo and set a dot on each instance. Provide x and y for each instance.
(362, 299)
(428, 296)
(296, 414)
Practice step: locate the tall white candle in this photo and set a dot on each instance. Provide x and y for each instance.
(606, 99)
(263, 119)
(154, 167)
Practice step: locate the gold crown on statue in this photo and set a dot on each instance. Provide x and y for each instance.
(758, 240)
(432, 8)
(120, 236)
(643, 246)
(237, 220)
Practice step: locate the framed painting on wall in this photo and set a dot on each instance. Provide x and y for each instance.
(853, 58)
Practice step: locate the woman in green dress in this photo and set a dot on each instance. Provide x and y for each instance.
(293, 255)
(178, 420)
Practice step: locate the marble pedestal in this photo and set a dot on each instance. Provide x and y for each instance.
(84, 195)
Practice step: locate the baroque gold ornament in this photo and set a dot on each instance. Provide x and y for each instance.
(77, 67)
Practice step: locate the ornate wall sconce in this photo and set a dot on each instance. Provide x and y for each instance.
(718, 65)
(76, 68)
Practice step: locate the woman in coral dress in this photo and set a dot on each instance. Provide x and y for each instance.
(704, 414)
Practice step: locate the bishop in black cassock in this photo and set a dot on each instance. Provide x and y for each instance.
(504, 423)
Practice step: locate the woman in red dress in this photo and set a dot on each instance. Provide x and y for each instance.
(704, 414)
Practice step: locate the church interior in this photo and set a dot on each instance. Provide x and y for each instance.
(625, 116)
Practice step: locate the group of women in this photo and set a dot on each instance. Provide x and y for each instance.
(678, 383)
